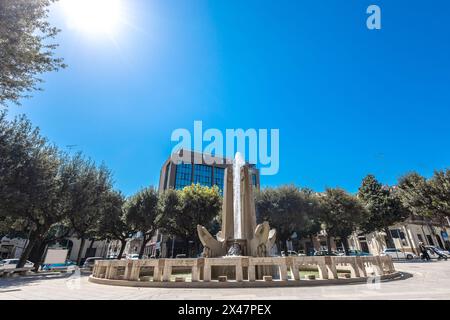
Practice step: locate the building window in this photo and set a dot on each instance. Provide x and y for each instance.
(430, 240)
(203, 175)
(166, 176)
(183, 176)
(219, 176)
(254, 180)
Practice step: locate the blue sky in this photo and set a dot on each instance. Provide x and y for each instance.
(347, 101)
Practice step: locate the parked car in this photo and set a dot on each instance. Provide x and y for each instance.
(398, 254)
(133, 256)
(89, 262)
(58, 266)
(289, 253)
(12, 264)
(180, 256)
(358, 253)
(437, 253)
(325, 253)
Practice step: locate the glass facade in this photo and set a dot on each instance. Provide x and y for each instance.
(219, 175)
(203, 175)
(254, 180)
(187, 174)
(183, 176)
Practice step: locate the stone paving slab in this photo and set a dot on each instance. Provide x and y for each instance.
(428, 281)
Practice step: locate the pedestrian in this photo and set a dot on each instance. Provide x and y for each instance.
(424, 253)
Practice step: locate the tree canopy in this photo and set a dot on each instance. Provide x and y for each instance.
(342, 214)
(26, 47)
(288, 210)
(142, 211)
(383, 204)
(184, 209)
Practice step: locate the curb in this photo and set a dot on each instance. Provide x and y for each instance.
(243, 284)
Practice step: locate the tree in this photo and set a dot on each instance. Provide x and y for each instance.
(112, 224)
(342, 214)
(384, 207)
(26, 50)
(87, 188)
(30, 181)
(288, 210)
(142, 211)
(440, 194)
(426, 198)
(183, 210)
(416, 194)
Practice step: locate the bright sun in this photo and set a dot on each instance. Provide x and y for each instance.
(93, 16)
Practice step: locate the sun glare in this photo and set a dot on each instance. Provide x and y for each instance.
(93, 16)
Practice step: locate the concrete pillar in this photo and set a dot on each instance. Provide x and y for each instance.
(283, 272)
(207, 271)
(167, 272)
(135, 270)
(251, 273)
(239, 271)
(355, 268)
(196, 270)
(327, 268)
(361, 267)
(377, 266)
(128, 269)
(295, 271)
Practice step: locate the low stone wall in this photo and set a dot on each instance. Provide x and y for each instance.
(281, 270)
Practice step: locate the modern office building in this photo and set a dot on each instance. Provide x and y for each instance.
(196, 168)
(182, 169)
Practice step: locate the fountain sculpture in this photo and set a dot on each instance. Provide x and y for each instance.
(240, 236)
(239, 254)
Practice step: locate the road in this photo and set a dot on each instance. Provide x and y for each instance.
(423, 281)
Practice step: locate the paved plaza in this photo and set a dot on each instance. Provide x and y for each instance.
(422, 281)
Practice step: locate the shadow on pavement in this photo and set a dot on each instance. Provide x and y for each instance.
(33, 278)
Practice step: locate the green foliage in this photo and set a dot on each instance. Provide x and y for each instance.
(87, 191)
(426, 197)
(142, 210)
(30, 181)
(141, 214)
(112, 224)
(415, 193)
(41, 188)
(289, 210)
(184, 209)
(383, 204)
(342, 213)
(440, 193)
(25, 47)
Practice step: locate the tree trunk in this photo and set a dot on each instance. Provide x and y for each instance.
(145, 240)
(329, 243)
(390, 241)
(92, 243)
(80, 251)
(37, 253)
(313, 247)
(188, 254)
(122, 248)
(34, 237)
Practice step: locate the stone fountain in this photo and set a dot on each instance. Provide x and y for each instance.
(239, 255)
(240, 235)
